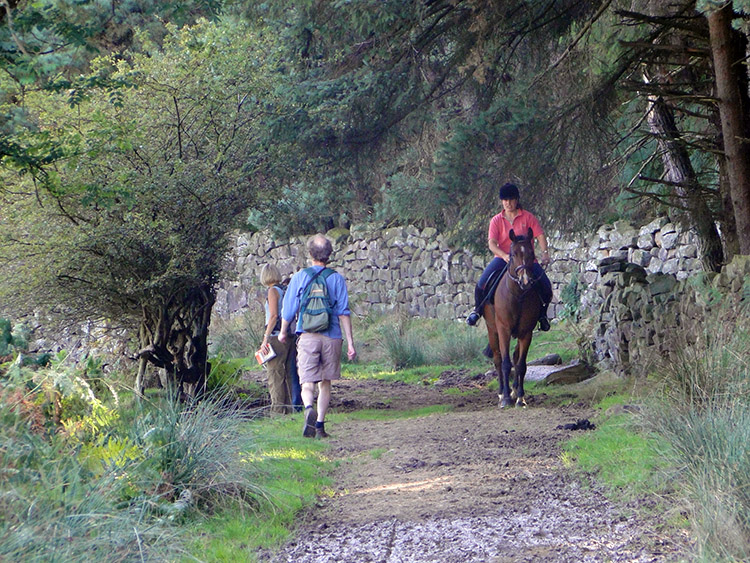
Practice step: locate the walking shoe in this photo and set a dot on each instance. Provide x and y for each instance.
(473, 318)
(321, 433)
(543, 324)
(308, 430)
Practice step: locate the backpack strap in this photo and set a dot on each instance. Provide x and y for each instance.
(329, 272)
(312, 275)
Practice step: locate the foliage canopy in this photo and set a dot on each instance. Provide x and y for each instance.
(132, 220)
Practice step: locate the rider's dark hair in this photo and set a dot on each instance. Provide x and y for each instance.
(509, 191)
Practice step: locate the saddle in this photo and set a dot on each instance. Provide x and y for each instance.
(489, 291)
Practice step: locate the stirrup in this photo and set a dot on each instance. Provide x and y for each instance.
(473, 318)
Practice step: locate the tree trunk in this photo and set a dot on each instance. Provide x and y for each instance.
(728, 225)
(174, 337)
(681, 174)
(140, 385)
(726, 215)
(731, 90)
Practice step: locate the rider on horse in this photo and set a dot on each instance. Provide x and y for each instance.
(514, 217)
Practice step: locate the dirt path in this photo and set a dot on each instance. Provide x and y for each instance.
(476, 484)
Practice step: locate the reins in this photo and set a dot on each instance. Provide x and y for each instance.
(532, 281)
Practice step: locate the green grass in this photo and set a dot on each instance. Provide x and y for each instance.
(292, 472)
(561, 339)
(377, 453)
(250, 502)
(405, 342)
(442, 345)
(462, 392)
(424, 375)
(710, 448)
(622, 456)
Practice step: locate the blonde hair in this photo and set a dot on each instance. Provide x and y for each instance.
(269, 275)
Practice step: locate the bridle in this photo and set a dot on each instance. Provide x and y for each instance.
(517, 278)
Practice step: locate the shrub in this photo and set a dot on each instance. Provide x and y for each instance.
(708, 366)
(108, 486)
(15, 339)
(196, 447)
(710, 448)
(54, 508)
(226, 373)
(570, 296)
(404, 348)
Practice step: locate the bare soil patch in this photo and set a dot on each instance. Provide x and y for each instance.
(476, 484)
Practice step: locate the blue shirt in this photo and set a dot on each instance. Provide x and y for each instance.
(337, 294)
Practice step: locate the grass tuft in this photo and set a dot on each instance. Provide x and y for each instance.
(404, 348)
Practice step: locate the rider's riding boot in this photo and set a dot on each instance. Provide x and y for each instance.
(474, 316)
(543, 320)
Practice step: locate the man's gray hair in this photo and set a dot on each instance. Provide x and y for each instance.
(320, 248)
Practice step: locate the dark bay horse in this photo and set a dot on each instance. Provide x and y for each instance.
(513, 315)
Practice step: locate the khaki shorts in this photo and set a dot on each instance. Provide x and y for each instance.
(318, 357)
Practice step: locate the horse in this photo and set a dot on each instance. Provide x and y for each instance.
(514, 314)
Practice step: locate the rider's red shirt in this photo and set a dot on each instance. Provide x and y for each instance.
(500, 228)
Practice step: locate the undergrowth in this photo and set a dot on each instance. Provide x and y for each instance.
(85, 475)
(703, 411)
(167, 480)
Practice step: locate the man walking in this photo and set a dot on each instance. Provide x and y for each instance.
(318, 353)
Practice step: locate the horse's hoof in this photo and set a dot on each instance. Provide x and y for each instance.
(521, 402)
(505, 403)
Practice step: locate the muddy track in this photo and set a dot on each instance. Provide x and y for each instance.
(477, 484)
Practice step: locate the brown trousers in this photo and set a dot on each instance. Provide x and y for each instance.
(279, 386)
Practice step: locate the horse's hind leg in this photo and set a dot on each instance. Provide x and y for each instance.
(504, 377)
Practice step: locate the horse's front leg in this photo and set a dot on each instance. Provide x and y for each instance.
(519, 361)
(503, 366)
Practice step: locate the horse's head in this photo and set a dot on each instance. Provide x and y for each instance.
(521, 258)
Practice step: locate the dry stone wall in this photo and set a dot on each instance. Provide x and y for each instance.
(636, 282)
(397, 269)
(646, 316)
(416, 272)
